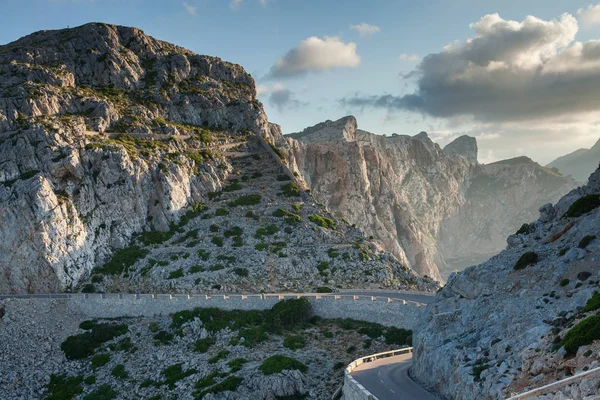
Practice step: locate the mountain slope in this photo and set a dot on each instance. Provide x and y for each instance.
(112, 140)
(515, 321)
(427, 206)
(579, 163)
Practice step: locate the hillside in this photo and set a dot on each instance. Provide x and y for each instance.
(579, 163)
(435, 209)
(127, 163)
(524, 318)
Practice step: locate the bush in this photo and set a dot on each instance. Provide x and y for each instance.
(289, 313)
(119, 372)
(477, 370)
(324, 289)
(351, 349)
(155, 237)
(235, 231)
(88, 288)
(214, 228)
(62, 387)
(100, 359)
(221, 212)
(564, 282)
(123, 259)
(593, 303)
(243, 272)
(236, 364)
(85, 344)
(322, 221)
(525, 229)
(162, 337)
(203, 254)
(290, 190)
(253, 336)
(583, 205)
(220, 355)
(294, 342)
(203, 345)
(338, 365)
(178, 273)
(289, 216)
(527, 259)
(261, 246)
(90, 380)
(266, 231)
(582, 334)
(216, 267)
(175, 373)
(104, 392)
(283, 177)
(586, 241)
(228, 385)
(217, 241)
(277, 363)
(248, 200)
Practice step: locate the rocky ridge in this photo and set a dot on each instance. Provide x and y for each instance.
(579, 163)
(416, 199)
(525, 317)
(113, 140)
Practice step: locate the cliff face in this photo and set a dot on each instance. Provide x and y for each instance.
(416, 199)
(524, 318)
(106, 132)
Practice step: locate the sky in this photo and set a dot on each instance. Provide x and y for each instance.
(524, 79)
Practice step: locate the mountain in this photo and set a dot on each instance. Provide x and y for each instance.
(435, 209)
(579, 163)
(131, 164)
(525, 318)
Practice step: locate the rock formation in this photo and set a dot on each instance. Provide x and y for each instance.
(429, 207)
(525, 317)
(113, 140)
(579, 163)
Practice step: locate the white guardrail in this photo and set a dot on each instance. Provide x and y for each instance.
(552, 387)
(370, 358)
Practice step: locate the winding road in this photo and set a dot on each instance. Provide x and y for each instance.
(387, 379)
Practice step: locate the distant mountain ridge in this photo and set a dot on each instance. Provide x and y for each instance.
(423, 203)
(580, 163)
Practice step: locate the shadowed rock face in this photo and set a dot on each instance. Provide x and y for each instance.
(424, 204)
(106, 132)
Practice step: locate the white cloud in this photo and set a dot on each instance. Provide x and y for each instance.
(409, 57)
(314, 55)
(590, 15)
(365, 29)
(279, 96)
(235, 4)
(189, 8)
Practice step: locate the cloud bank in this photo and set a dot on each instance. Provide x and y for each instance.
(589, 16)
(315, 55)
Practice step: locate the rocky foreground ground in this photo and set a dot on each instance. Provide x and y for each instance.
(284, 353)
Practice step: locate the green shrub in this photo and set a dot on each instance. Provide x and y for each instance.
(175, 373)
(398, 336)
(525, 229)
(322, 221)
(119, 372)
(228, 385)
(203, 345)
(162, 337)
(323, 268)
(338, 365)
(236, 364)
(289, 313)
(593, 303)
(203, 254)
(586, 241)
(218, 357)
(290, 190)
(195, 269)
(123, 259)
(477, 370)
(104, 392)
(248, 200)
(583, 205)
(294, 342)
(90, 380)
(88, 288)
(333, 253)
(266, 231)
(351, 349)
(214, 228)
(261, 246)
(367, 343)
(207, 381)
(297, 206)
(62, 387)
(155, 237)
(153, 327)
(582, 334)
(288, 216)
(85, 344)
(217, 241)
(527, 259)
(277, 363)
(221, 212)
(178, 273)
(233, 186)
(216, 267)
(237, 241)
(564, 282)
(100, 359)
(253, 336)
(234, 231)
(243, 272)
(283, 177)
(324, 289)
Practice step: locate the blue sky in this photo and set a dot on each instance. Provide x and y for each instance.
(257, 33)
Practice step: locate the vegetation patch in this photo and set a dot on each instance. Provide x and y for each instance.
(290, 190)
(203, 345)
(62, 387)
(477, 370)
(85, 344)
(593, 303)
(100, 359)
(585, 242)
(582, 334)
(266, 231)
(527, 259)
(236, 364)
(277, 363)
(294, 342)
(235, 231)
(104, 392)
(229, 384)
(243, 272)
(288, 216)
(119, 372)
(248, 200)
(321, 221)
(162, 337)
(324, 289)
(175, 373)
(583, 205)
(122, 260)
(525, 229)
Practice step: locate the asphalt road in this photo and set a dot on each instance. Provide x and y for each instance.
(420, 298)
(388, 379)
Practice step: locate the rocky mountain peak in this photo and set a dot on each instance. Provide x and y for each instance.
(465, 146)
(424, 137)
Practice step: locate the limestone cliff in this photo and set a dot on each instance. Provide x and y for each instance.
(525, 317)
(113, 140)
(429, 207)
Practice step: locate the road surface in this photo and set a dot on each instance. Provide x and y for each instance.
(388, 379)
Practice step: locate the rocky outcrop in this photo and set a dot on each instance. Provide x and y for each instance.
(418, 200)
(106, 132)
(503, 326)
(579, 163)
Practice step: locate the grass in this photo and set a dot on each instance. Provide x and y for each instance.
(321, 221)
(527, 259)
(62, 387)
(248, 200)
(294, 342)
(582, 334)
(85, 344)
(122, 260)
(277, 363)
(583, 205)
